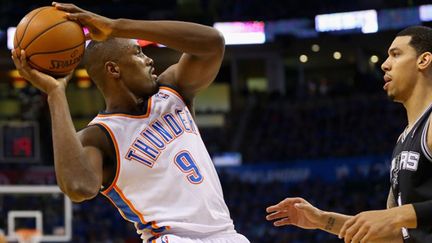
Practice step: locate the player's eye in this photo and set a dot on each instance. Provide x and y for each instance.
(395, 54)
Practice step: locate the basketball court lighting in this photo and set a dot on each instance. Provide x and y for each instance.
(315, 48)
(303, 58)
(374, 59)
(337, 55)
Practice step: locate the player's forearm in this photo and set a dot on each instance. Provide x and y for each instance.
(192, 38)
(74, 175)
(333, 222)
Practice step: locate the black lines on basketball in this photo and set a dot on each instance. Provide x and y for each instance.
(50, 52)
(40, 34)
(28, 23)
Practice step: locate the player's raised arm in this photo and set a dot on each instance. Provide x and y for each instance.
(203, 46)
(78, 169)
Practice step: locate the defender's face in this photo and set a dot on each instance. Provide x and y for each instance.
(137, 71)
(400, 69)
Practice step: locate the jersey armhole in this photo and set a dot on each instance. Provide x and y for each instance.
(424, 146)
(173, 90)
(111, 161)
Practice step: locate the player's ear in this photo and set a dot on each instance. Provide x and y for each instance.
(112, 69)
(424, 61)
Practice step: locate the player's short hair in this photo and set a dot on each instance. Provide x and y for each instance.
(97, 53)
(421, 38)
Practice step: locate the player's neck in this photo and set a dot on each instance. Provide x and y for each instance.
(416, 105)
(121, 102)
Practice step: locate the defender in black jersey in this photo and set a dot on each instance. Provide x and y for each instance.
(408, 217)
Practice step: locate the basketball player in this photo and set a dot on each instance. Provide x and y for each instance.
(408, 217)
(144, 152)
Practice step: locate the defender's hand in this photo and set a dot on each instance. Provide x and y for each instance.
(100, 27)
(38, 79)
(370, 225)
(295, 211)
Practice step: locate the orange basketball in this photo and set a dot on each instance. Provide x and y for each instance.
(53, 44)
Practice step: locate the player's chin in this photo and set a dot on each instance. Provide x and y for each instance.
(154, 87)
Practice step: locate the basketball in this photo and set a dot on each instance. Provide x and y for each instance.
(53, 44)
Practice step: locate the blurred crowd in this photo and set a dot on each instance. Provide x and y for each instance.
(280, 129)
(277, 128)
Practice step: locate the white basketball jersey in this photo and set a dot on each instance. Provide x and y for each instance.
(165, 182)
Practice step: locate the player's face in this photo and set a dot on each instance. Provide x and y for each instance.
(137, 71)
(400, 69)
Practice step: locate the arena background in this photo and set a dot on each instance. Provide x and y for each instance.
(298, 112)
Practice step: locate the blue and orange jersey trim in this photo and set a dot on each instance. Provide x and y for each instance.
(131, 214)
(117, 154)
(152, 239)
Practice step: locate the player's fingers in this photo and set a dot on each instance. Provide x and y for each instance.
(291, 201)
(68, 7)
(287, 202)
(350, 232)
(277, 207)
(68, 77)
(359, 235)
(25, 67)
(367, 236)
(282, 222)
(277, 215)
(16, 60)
(23, 59)
(272, 208)
(81, 17)
(345, 226)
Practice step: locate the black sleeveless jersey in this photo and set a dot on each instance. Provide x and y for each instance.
(411, 174)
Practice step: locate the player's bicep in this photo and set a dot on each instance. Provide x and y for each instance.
(93, 141)
(195, 73)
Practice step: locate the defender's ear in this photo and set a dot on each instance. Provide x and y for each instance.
(424, 60)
